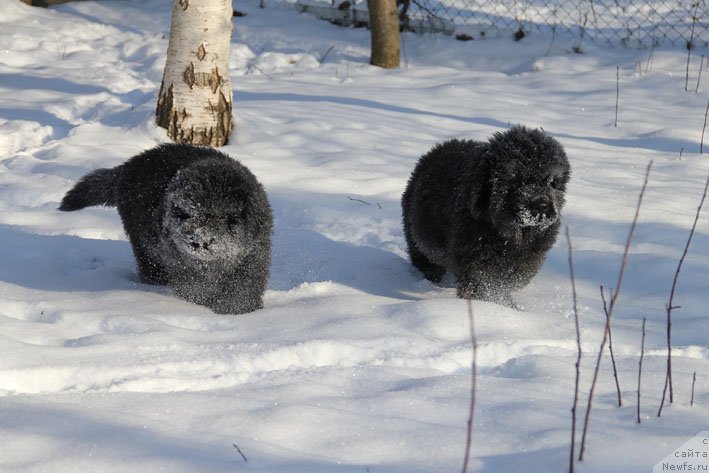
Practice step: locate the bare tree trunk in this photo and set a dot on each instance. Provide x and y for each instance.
(384, 24)
(195, 100)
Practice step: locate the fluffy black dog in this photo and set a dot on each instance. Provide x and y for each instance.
(486, 211)
(197, 220)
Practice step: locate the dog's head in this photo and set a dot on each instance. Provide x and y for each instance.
(528, 176)
(215, 211)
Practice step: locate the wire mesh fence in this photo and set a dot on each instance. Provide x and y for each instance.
(633, 23)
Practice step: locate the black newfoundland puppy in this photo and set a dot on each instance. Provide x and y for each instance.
(486, 211)
(197, 220)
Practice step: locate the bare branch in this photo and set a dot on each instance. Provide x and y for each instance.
(473, 376)
(358, 200)
(630, 238)
(240, 452)
(640, 366)
(578, 356)
(324, 56)
(617, 93)
(701, 142)
(610, 347)
(614, 298)
(699, 76)
(670, 306)
(690, 44)
(593, 381)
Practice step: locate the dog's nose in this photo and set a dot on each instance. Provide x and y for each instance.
(542, 208)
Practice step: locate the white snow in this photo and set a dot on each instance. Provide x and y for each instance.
(356, 363)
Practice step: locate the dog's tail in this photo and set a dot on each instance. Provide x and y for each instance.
(95, 188)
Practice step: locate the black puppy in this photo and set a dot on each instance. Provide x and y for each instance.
(197, 220)
(486, 211)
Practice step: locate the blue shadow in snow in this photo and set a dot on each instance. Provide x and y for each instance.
(662, 144)
(26, 82)
(305, 256)
(65, 263)
(60, 126)
(667, 145)
(363, 103)
(129, 442)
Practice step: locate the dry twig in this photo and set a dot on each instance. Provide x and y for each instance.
(578, 356)
(640, 366)
(324, 56)
(670, 306)
(473, 376)
(617, 93)
(614, 298)
(699, 76)
(648, 65)
(690, 43)
(240, 452)
(610, 347)
(701, 142)
(358, 200)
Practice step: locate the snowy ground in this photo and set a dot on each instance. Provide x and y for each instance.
(355, 364)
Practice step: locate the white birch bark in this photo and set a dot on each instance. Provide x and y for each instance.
(195, 100)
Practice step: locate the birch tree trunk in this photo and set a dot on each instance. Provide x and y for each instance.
(384, 24)
(195, 100)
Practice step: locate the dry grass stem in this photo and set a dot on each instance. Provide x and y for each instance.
(690, 43)
(701, 142)
(610, 347)
(611, 306)
(473, 377)
(640, 366)
(670, 305)
(240, 452)
(699, 75)
(617, 93)
(578, 356)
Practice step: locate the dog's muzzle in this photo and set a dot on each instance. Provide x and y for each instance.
(541, 213)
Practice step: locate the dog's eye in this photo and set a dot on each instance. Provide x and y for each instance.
(553, 183)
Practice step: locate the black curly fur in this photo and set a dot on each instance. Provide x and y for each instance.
(95, 188)
(488, 212)
(197, 220)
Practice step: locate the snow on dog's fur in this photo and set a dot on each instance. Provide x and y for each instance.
(197, 220)
(486, 211)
